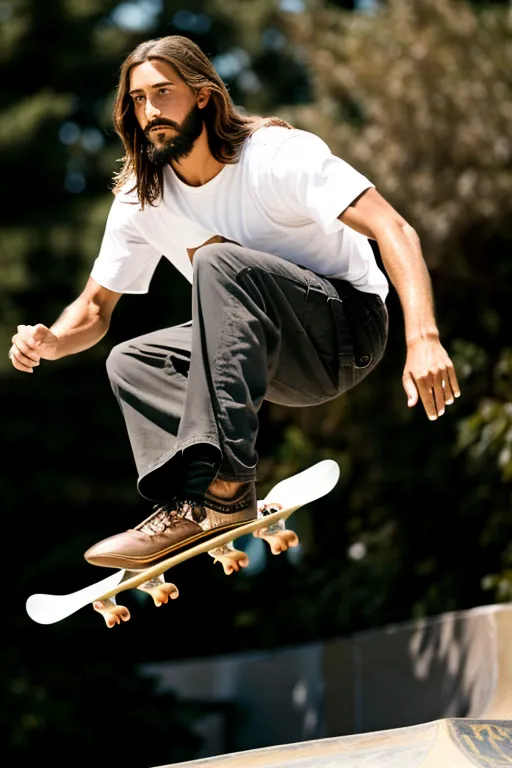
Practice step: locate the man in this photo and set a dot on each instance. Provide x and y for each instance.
(288, 301)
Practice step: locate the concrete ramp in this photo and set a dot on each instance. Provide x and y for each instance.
(447, 743)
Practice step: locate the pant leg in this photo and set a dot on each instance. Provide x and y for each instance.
(148, 376)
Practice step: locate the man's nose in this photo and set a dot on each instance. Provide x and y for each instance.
(151, 110)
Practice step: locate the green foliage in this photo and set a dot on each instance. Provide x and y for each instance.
(419, 97)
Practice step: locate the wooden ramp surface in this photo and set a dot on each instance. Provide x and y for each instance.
(447, 743)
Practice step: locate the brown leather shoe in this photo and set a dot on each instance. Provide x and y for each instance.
(172, 527)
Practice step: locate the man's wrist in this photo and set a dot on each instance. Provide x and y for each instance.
(421, 336)
(54, 346)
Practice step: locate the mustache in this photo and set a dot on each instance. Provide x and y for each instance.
(160, 123)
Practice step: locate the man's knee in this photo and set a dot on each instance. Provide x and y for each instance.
(219, 258)
(118, 362)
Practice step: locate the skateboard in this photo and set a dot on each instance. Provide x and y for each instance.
(278, 505)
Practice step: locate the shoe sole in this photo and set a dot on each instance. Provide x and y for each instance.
(113, 561)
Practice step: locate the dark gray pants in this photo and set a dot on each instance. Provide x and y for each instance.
(262, 329)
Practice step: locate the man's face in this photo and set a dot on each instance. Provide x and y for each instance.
(166, 109)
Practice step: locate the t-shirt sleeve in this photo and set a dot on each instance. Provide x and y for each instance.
(126, 262)
(315, 182)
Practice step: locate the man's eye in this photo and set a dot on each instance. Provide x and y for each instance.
(163, 91)
(137, 99)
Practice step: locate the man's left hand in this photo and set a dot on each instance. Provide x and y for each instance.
(429, 375)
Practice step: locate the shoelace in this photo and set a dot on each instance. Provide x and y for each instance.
(167, 515)
(184, 506)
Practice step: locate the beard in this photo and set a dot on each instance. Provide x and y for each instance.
(180, 145)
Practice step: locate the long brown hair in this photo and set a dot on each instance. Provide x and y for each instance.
(227, 129)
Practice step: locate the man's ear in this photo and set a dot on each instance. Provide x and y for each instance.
(203, 97)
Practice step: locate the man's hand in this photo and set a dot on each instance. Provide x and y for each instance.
(429, 374)
(31, 344)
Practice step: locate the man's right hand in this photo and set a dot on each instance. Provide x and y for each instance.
(31, 344)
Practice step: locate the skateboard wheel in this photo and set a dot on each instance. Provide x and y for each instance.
(111, 612)
(231, 559)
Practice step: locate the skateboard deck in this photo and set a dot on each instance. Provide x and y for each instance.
(278, 505)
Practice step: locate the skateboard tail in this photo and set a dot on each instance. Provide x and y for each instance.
(48, 609)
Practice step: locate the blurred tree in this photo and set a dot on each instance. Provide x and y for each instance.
(108, 714)
(433, 131)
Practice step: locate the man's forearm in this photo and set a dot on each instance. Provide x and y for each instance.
(403, 261)
(79, 327)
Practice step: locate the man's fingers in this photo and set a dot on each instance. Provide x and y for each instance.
(19, 365)
(427, 398)
(436, 392)
(429, 369)
(452, 378)
(24, 353)
(447, 388)
(432, 402)
(25, 348)
(26, 335)
(410, 390)
(21, 361)
(450, 385)
(439, 395)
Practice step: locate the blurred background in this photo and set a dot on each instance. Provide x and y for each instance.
(417, 95)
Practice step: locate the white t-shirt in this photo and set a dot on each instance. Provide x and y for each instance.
(283, 197)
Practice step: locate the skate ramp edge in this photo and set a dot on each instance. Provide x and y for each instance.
(446, 743)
